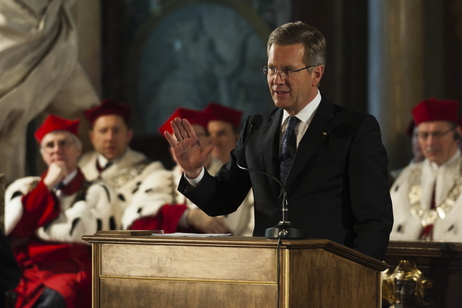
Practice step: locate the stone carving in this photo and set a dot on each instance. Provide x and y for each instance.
(40, 73)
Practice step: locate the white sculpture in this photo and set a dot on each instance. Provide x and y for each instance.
(39, 72)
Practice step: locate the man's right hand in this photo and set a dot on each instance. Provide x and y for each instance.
(188, 151)
(57, 171)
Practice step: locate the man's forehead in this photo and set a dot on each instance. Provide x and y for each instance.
(432, 125)
(220, 125)
(198, 129)
(109, 120)
(285, 55)
(56, 135)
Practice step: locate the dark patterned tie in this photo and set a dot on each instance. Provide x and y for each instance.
(60, 185)
(288, 148)
(108, 164)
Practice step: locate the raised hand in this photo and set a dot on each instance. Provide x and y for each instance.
(57, 171)
(188, 152)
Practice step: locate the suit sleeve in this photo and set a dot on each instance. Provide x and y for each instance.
(369, 190)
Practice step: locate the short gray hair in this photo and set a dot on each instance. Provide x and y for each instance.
(301, 33)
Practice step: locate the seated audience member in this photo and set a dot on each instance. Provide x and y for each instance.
(130, 174)
(112, 159)
(418, 156)
(426, 196)
(224, 124)
(162, 185)
(45, 218)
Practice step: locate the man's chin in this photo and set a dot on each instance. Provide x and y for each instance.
(110, 155)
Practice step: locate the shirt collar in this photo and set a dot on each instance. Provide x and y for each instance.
(102, 161)
(307, 113)
(70, 177)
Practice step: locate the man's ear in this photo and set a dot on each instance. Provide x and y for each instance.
(457, 133)
(80, 152)
(318, 71)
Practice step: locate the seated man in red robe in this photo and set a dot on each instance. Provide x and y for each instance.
(45, 218)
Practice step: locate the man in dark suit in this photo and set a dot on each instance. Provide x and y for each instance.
(337, 185)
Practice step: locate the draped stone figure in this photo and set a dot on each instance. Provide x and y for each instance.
(39, 73)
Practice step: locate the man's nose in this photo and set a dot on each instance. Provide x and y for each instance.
(109, 135)
(278, 79)
(430, 139)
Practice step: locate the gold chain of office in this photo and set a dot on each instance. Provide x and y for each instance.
(121, 179)
(430, 216)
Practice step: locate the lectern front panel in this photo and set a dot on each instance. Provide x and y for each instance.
(189, 262)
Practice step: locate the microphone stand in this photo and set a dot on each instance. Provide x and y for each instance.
(284, 228)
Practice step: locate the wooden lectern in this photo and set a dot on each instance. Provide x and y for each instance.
(136, 269)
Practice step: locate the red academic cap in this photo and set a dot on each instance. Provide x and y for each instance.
(108, 107)
(434, 109)
(193, 116)
(224, 113)
(53, 123)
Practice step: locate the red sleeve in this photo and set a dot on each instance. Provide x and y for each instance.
(166, 219)
(40, 207)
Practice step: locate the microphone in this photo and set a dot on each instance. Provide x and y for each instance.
(283, 229)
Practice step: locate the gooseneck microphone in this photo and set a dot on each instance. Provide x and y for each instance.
(283, 229)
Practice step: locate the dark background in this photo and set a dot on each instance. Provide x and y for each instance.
(346, 28)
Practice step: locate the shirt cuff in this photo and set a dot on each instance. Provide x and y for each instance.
(195, 182)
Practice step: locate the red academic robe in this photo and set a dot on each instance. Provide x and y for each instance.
(166, 219)
(63, 267)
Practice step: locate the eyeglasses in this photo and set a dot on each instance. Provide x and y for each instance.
(284, 72)
(62, 144)
(435, 135)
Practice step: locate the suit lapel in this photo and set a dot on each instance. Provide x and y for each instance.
(316, 134)
(271, 132)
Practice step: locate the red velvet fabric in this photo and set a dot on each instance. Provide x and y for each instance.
(167, 219)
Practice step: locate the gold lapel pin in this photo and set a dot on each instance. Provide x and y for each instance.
(324, 133)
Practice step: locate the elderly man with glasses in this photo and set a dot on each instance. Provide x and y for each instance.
(426, 195)
(45, 218)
